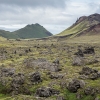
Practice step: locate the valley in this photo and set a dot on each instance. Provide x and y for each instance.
(50, 69)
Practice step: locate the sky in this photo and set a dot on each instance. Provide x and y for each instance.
(54, 15)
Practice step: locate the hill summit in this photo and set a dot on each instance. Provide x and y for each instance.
(29, 31)
(85, 25)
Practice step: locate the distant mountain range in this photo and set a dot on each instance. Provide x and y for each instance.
(84, 26)
(29, 31)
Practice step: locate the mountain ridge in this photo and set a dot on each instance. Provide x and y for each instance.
(83, 25)
(29, 31)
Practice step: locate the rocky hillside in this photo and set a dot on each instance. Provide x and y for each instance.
(29, 31)
(85, 25)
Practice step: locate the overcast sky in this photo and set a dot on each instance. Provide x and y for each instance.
(54, 15)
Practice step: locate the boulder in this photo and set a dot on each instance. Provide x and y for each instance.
(7, 72)
(79, 53)
(79, 96)
(86, 71)
(97, 98)
(94, 76)
(75, 84)
(90, 73)
(46, 92)
(78, 61)
(83, 77)
(43, 63)
(54, 67)
(35, 77)
(18, 79)
(89, 50)
(60, 98)
(92, 61)
(17, 83)
(56, 76)
(90, 91)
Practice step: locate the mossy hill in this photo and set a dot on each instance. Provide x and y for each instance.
(29, 31)
(84, 26)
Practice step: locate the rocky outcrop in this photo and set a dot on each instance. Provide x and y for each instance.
(78, 61)
(42, 63)
(80, 19)
(6, 75)
(90, 91)
(60, 98)
(89, 50)
(79, 53)
(7, 72)
(13, 83)
(56, 76)
(75, 84)
(87, 71)
(46, 92)
(90, 73)
(17, 83)
(35, 77)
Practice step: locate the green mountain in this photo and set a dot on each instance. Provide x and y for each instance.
(85, 25)
(29, 31)
(7, 34)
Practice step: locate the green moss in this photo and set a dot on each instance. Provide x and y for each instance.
(2, 96)
(72, 96)
(2, 88)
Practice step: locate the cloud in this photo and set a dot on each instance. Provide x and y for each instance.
(55, 15)
(34, 3)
